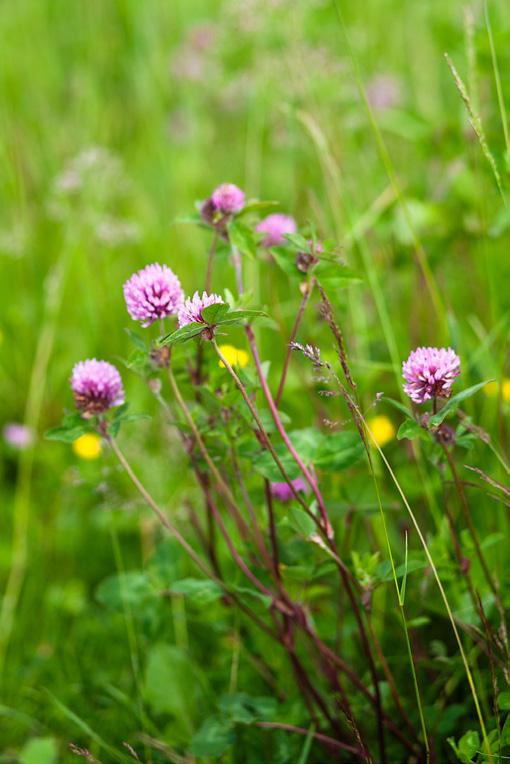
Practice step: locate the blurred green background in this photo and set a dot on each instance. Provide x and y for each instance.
(116, 115)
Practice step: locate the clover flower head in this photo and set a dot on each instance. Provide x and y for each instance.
(191, 309)
(274, 227)
(96, 386)
(228, 199)
(152, 293)
(283, 491)
(18, 435)
(430, 373)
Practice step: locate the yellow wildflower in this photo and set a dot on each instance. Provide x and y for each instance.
(88, 446)
(382, 429)
(234, 356)
(494, 389)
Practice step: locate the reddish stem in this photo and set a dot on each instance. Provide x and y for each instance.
(283, 434)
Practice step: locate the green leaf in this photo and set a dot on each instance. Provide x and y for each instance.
(504, 700)
(136, 339)
(336, 274)
(469, 744)
(138, 361)
(257, 206)
(297, 242)
(193, 219)
(399, 406)
(72, 427)
(213, 738)
(236, 316)
(286, 262)
(415, 623)
(200, 591)
(264, 598)
(132, 588)
(300, 521)
(338, 450)
(505, 733)
(410, 429)
(183, 334)
(214, 313)
(452, 405)
(242, 238)
(120, 416)
(65, 434)
(245, 709)
(331, 451)
(264, 463)
(39, 750)
(171, 684)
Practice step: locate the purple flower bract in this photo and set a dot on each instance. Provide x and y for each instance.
(430, 373)
(96, 386)
(283, 491)
(274, 227)
(191, 310)
(152, 293)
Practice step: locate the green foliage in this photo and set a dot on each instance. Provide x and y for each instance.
(410, 429)
(467, 747)
(242, 238)
(172, 683)
(213, 738)
(454, 402)
(39, 750)
(198, 591)
(215, 316)
(332, 451)
(72, 427)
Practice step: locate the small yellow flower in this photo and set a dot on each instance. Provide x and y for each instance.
(492, 389)
(88, 446)
(234, 356)
(382, 429)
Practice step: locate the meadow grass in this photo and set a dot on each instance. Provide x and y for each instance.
(116, 117)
